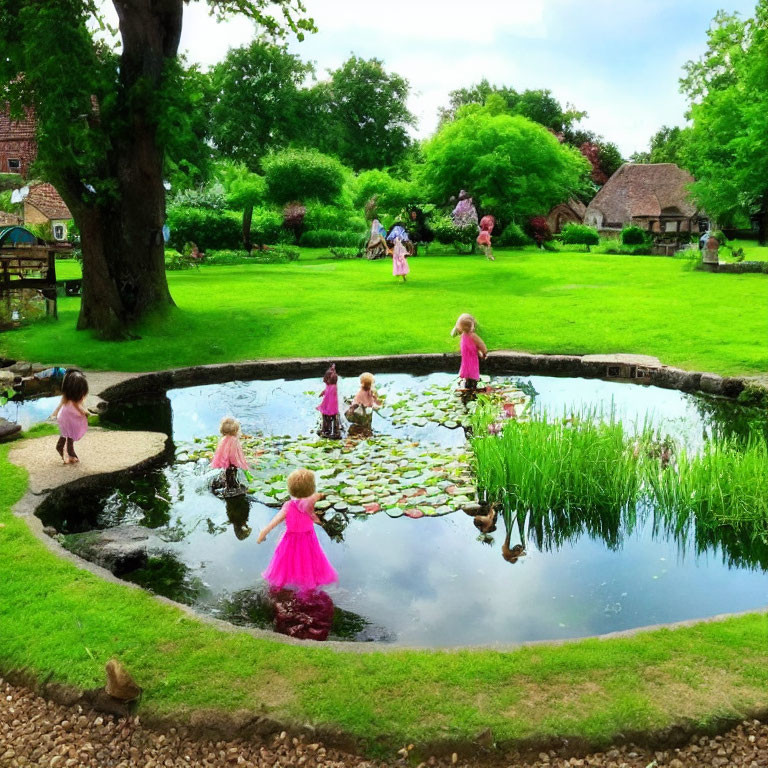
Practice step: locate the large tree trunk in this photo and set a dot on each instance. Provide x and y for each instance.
(123, 250)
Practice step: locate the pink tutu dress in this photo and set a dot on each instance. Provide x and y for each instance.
(330, 403)
(487, 224)
(72, 423)
(229, 453)
(299, 560)
(470, 359)
(399, 262)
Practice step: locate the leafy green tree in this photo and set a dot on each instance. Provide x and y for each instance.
(360, 115)
(503, 161)
(259, 105)
(727, 147)
(537, 105)
(392, 195)
(106, 113)
(668, 145)
(243, 191)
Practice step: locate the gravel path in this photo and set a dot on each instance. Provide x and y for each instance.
(36, 732)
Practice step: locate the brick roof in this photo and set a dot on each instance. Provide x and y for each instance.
(47, 200)
(644, 189)
(16, 130)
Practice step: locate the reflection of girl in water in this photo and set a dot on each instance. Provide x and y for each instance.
(237, 512)
(299, 561)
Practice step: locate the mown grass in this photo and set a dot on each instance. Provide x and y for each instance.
(527, 300)
(58, 620)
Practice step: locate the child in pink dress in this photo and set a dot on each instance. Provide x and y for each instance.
(299, 560)
(71, 414)
(360, 412)
(329, 408)
(399, 262)
(472, 348)
(487, 224)
(229, 453)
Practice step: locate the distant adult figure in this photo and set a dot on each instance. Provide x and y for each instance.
(377, 244)
(703, 239)
(420, 232)
(464, 214)
(399, 231)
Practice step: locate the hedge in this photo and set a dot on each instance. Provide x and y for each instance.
(325, 238)
(205, 227)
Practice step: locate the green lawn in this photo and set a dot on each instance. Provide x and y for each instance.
(527, 300)
(58, 620)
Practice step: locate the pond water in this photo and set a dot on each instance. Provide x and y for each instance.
(430, 579)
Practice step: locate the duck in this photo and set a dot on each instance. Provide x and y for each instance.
(511, 555)
(486, 523)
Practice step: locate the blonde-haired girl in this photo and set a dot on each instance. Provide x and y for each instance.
(229, 453)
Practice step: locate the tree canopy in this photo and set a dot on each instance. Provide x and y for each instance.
(728, 142)
(107, 114)
(668, 145)
(504, 161)
(259, 103)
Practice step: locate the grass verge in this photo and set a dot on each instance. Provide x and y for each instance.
(528, 299)
(58, 620)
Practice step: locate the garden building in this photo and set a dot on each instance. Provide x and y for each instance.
(43, 205)
(571, 212)
(653, 196)
(18, 146)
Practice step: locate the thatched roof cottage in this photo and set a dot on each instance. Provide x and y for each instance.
(566, 213)
(653, 196)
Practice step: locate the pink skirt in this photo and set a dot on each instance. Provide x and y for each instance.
(229, 453)
(299, 562)
(484, 238)
(72, 423)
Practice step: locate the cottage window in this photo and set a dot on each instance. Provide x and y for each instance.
(14, 164)
(59, 233)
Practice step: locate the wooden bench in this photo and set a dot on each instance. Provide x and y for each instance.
(31, 267)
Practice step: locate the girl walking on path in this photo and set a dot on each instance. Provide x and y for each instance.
(299, 560)
(71, 414)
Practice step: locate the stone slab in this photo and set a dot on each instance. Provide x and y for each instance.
(644, 361)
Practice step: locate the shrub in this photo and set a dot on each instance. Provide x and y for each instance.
(719, 235)
(633, 236)
(278, 255)
(391, 194)
(212, 198)
(579, 234)
(293, 219)
(301, 174)
(446, 232)
(206, 227)
(539, 230)
(175, 261)
(345, 253)
(321, 216)
(324, 238)
(513, 236)
(265, 226)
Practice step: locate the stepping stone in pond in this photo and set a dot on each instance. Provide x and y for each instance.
(356, 509)
(443, 510)
(341, 506)
(414, 512)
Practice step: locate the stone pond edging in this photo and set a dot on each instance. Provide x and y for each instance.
(640, 369)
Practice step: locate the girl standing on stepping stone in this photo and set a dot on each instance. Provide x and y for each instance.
(329, 408)
(71, 414)
(299, 560)
(472, 348)
(229, 453)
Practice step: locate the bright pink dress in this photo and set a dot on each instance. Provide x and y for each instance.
(470, 358)
(487, 224)
(299, 560)
(330, 404)
(229, 453)
(399, 262)
(72, 423)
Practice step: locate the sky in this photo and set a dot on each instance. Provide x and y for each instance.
(618, 60)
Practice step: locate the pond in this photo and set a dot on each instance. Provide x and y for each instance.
(413, 567)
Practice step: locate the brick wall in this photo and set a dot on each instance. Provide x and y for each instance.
(24, 150)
